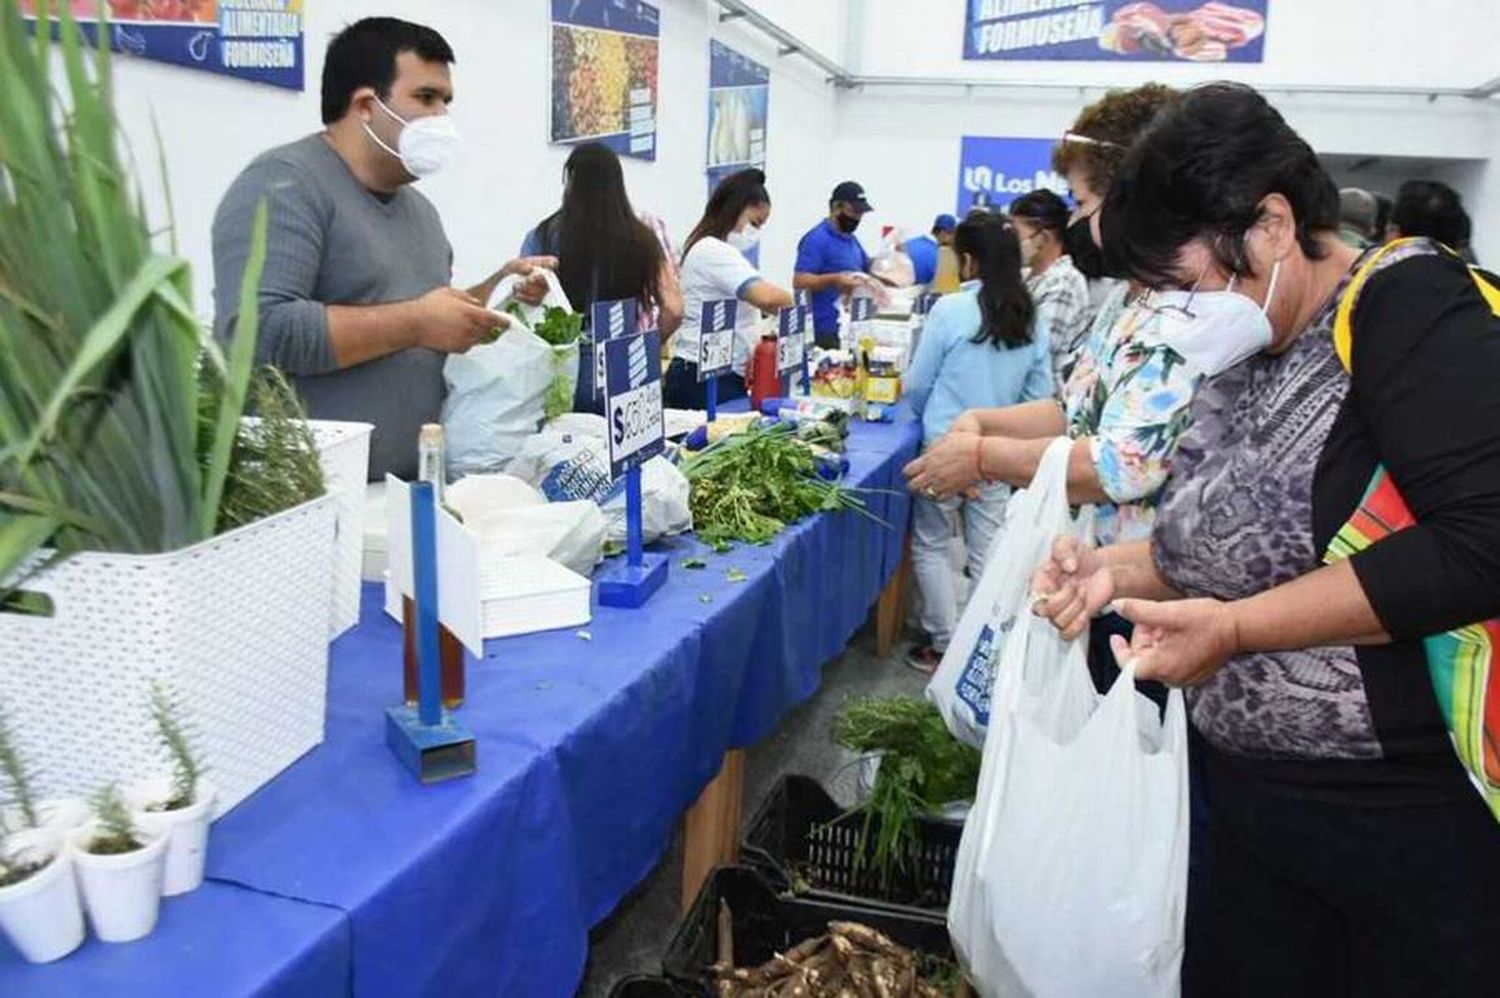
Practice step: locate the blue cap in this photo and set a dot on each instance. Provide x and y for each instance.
(944, 223)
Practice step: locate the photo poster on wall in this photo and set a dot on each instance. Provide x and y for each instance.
(739, 91)
(994, 171)
(605, 58)
(255, 40)
(1160, 31)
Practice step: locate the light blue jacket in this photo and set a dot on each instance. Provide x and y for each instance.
(951, 372)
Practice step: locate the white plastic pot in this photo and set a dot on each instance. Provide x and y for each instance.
(55, 814)
(122, 893)
(186, 829)
(41, 914)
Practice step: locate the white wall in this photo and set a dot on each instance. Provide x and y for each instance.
(508, 177)
(905, 141)
(821, 24)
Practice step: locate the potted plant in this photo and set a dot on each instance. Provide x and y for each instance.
(132, 498)
(120, 870)
(178, 805)
(39, 907)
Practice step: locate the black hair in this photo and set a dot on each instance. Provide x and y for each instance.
(604, 251)
(735, 193)
(1005, 307)
(1043, 208)
(1433, 209)
(1202, 170)
(364, 55)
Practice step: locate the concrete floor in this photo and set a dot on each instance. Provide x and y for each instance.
(631, 941)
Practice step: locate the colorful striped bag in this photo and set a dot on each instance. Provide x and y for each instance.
(1464, 663)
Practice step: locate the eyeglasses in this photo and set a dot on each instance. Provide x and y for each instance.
(1088, 140)
(1182, 311)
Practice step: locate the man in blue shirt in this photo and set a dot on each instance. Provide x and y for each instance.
(923, 250)
(831, 262)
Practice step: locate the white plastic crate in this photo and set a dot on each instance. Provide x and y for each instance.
(237, 625)
(344, 451)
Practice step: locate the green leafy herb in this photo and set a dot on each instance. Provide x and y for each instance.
(117, 831)
(558, 326)
(166, 712)
(694, 563)
(18, 786)
(735, 575)
(922, 766)
(273, 465)
(750, 485)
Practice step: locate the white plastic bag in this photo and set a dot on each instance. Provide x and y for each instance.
(1034, 517)
(497, 392)
(664, 503)
(1071, 876)
(511, 517)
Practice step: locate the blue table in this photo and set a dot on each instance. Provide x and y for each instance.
(343, 875)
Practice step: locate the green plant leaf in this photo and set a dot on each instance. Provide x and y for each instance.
(20, 536)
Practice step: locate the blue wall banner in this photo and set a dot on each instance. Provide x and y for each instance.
(605, 57)
(257, 40)
(993, 172)
(1163, 31)
(739, 91)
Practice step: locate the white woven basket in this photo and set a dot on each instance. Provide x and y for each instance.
(344, 451)
(236, 625)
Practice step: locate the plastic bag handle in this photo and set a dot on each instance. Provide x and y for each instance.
(1050, 483)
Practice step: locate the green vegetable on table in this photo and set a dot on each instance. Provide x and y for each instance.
(922, 767)
(750, 485)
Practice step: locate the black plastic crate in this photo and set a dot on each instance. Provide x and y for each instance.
(645, 986)
(766, 923)
(797, 839)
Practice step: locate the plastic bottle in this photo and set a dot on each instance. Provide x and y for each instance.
(763, 378)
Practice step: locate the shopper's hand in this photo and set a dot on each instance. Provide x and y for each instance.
(451, 321)
(852, 280)
(533, 289)
(948, 467)
(1181, 642)
(1071, 586)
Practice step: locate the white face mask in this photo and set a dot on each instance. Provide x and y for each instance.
(1215, 330)
(745, 239)
(426, 144)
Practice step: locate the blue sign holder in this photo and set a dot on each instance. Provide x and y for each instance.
(631, 584)
(715, 317)
(426, 739)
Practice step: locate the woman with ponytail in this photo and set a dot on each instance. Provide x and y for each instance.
(714, 267)
(979, 348)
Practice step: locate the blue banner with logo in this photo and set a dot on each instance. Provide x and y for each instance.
(994, 171)
(257, 40)
(1160, 31)
(605, 59)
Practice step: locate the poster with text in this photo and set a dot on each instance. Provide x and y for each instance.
(605, 55)
(994, 171)
(1160, 31)
(738, 93)
(257, 40)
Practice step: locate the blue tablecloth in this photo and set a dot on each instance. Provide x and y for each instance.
(590, 747)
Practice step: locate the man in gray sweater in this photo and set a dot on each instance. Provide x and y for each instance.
(355, 302)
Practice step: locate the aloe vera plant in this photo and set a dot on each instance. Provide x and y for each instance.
(104, 368)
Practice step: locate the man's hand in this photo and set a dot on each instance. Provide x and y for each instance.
(451, 321)
(1181, 643)
(533, 289)
(948, 467)
(1071, 586)
(853, 280)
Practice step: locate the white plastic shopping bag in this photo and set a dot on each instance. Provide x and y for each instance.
(1071, 876)
(497, 392)
(1034, 517)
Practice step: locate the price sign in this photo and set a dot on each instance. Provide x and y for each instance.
(716, 338)
(925, 301)
(609, 320)
(861, 309)
(790, 341)
(632, 380)
(803, 302)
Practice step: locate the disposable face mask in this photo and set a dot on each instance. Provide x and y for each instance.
(746, 238)
(426, 144)
(1215, 330)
